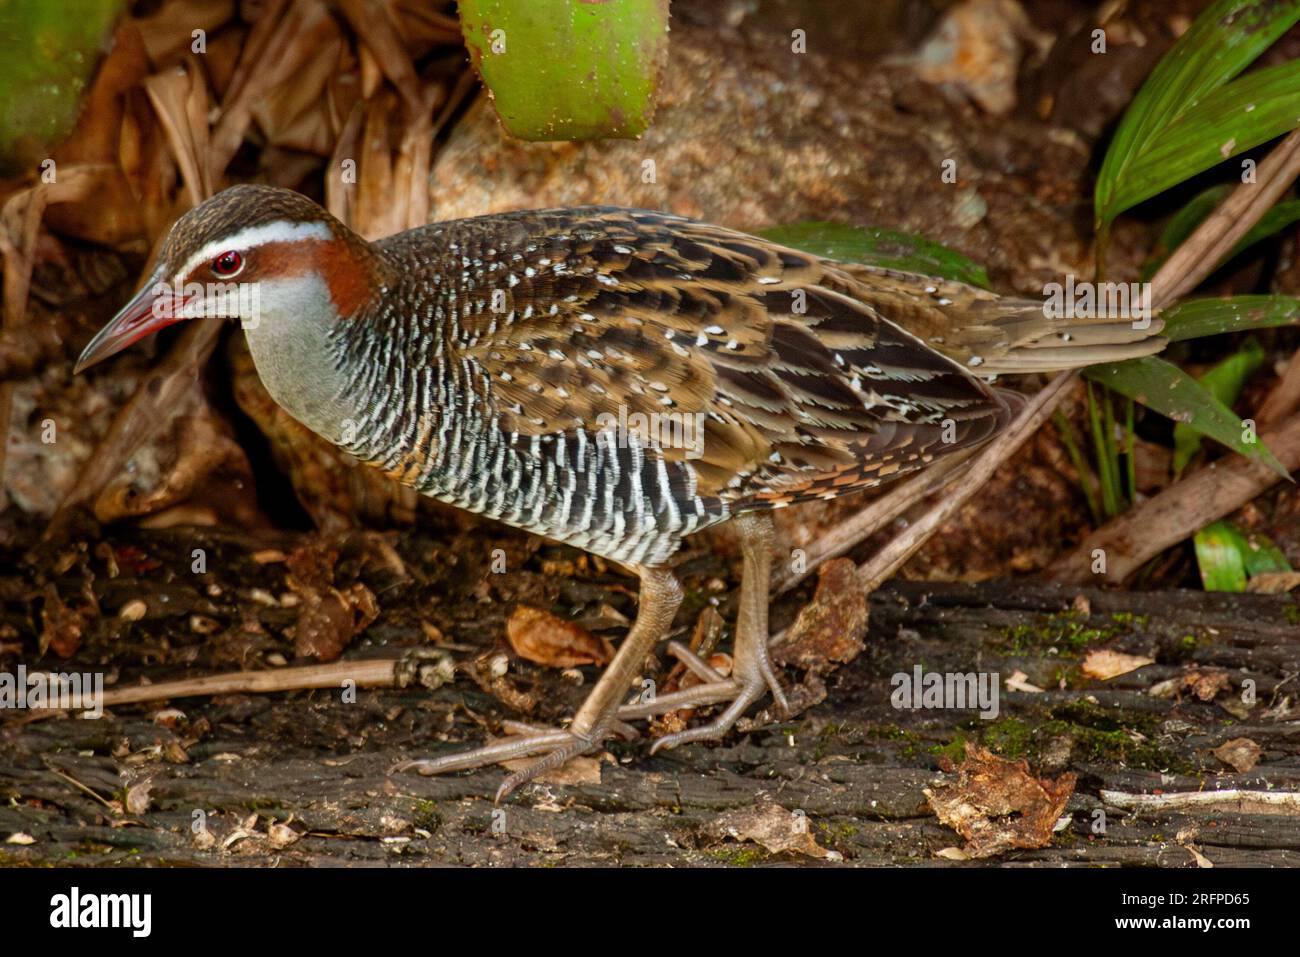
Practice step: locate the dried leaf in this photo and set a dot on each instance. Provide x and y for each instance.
(281, 835)
(1104, 663)
(61, 626)
(997, 804)
(138, 798)
(1273, 583)
(180, 98)
(167, 34)
(1019, 681)
(1200, 859)
(1205, 684)
(773, 827)
(328, 617)
(829, 630)
(544, 639)
(584, 769)
(1241, 754)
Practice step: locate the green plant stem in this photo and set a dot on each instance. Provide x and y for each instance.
(1130, 443)
(1087, 480)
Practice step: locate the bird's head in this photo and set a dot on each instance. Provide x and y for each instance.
(251, 253)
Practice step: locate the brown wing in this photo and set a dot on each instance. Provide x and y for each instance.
(804, 390)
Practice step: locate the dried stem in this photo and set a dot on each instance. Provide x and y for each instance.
(1209, 493)
(372, 673)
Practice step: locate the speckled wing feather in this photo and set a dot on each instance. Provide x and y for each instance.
(989, 333)
(806, 390)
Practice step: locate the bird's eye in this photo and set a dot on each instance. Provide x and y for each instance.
(227, 264)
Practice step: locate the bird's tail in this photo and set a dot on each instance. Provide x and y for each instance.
(996, 334)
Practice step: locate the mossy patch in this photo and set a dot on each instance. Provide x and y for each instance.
(1095, 734)
(839, 831)
(746, 856)
(1069, 632)
(1291, 612)
(426, 815)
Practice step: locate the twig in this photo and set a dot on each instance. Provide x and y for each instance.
(371, 673)
(83, 788)
(1268, 802)
(1284, 397)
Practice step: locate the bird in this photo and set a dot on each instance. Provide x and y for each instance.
(522, 366)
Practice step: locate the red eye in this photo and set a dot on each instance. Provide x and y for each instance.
(227, 264)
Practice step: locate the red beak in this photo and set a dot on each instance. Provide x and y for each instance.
(150, 310)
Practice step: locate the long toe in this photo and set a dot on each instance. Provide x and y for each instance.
(507, 749)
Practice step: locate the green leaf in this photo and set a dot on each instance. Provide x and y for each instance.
(1197, 318)
(1219, 557)
(568, 69)
(1225, 382)
(1167, 389)
(1224, 40)
(1274, 221)
(1227, 556)
(886, 248)
(1263, 557)
(1239, 117)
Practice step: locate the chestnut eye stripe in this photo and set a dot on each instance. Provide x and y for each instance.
(279, 231)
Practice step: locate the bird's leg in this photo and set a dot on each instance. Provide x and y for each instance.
(598, 717)
(752, 673)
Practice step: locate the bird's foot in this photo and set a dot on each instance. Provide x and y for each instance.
(753, 677)
(555, 747)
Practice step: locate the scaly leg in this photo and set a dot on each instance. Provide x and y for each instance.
(752, 672)
(598, 717)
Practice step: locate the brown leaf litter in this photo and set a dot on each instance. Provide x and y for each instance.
(997, 805)
(328, 617)
(827, 635)
(1104, 663)
(542, 638)
(1240, 754)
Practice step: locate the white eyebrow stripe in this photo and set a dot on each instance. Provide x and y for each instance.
(280, 231)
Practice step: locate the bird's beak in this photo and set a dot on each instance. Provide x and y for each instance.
(152, 309)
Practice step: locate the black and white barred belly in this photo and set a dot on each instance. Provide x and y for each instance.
(606, 491)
